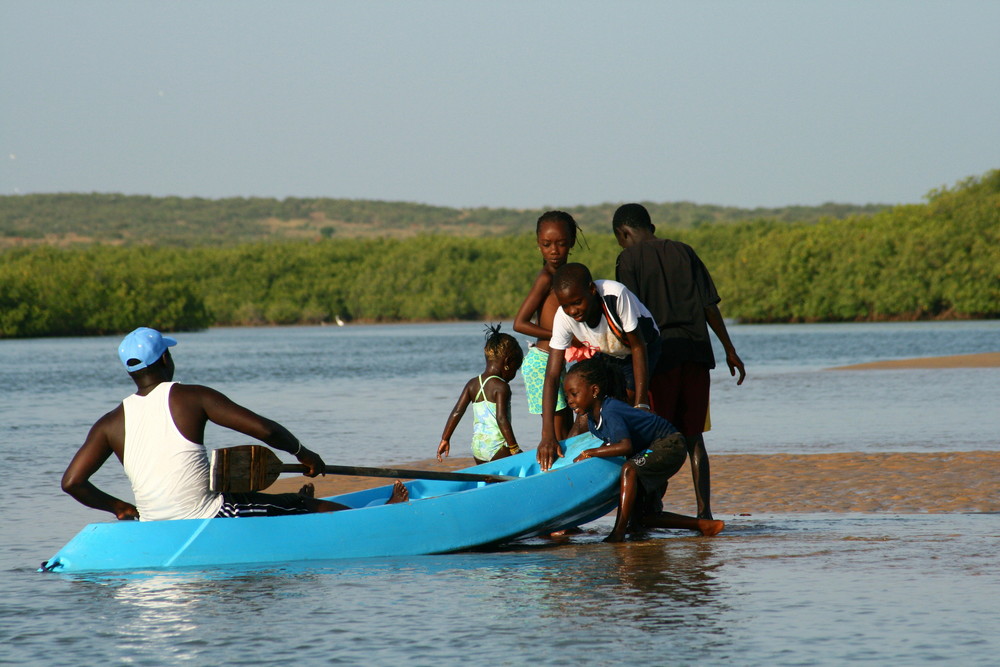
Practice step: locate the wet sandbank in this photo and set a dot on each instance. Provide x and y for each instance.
(937, 482)
(980, 360)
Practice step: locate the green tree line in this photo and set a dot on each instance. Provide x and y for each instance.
(932, 260)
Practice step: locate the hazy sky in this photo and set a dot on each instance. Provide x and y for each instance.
(519, 104)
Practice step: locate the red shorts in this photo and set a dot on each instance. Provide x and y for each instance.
(680, 395)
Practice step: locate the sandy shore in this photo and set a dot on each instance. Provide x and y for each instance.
(777, 483)
(981, 360)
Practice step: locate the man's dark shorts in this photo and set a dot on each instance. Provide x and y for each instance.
(657, 465)
(255, 503)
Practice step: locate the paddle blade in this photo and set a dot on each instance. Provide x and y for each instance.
(243, 469)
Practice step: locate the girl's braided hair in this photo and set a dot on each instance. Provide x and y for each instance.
(565, 218)
(501, 345)
(607, 376)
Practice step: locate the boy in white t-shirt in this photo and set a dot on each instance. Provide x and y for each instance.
(605, 315)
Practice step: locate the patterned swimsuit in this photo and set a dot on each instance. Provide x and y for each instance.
(533, 372)
(486, 437)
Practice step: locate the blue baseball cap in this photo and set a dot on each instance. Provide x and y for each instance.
(143, 347)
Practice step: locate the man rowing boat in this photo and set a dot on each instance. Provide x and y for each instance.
(158, 435)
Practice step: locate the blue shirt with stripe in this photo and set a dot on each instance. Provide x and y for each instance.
(619, 420)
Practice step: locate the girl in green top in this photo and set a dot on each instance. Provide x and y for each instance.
(489, 393)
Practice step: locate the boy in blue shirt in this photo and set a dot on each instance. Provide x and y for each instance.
(655, 451)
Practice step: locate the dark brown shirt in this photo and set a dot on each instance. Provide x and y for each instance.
(673, 283)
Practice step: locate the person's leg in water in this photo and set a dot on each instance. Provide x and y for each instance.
(707, 527)
(694, 409)
(400, 494)
(626, 502)
(626, 506)
(701, 474)
(630, 484)
(681, 396)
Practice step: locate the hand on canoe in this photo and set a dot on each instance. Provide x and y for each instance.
(547, 452)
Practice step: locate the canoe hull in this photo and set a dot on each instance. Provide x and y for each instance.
(443, 517)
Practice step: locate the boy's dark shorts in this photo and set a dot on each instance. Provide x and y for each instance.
(255, 503)
(680, 395)
(657, 465)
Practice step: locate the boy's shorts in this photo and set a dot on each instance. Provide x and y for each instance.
(255, 503)
(680, 395)
(533, 372)
(656, 465)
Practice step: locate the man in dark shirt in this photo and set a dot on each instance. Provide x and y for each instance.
(673, 283)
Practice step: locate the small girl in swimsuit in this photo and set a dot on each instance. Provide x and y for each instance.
(489, 394)
(556, 234)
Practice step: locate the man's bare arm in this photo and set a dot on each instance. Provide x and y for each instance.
(195, 401)
(96, 449)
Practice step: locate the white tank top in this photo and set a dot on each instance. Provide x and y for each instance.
(168, 472)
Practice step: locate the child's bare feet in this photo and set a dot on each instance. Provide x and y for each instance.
(710, 527)
(400, 494)
(615, 537)
(308, 490)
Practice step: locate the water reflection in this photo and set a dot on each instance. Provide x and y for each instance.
(668, 584)
(771, 590)
(665, 583)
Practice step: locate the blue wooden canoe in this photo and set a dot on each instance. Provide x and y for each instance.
(441, 517)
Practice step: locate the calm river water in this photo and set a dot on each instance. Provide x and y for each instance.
(781, 589)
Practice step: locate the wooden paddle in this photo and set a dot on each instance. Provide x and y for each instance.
(255, 467)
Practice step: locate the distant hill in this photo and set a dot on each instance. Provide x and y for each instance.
(114, 219)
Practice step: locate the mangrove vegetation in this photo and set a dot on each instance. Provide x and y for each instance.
(938, 259)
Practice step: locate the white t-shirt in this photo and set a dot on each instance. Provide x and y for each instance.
(629, 309)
